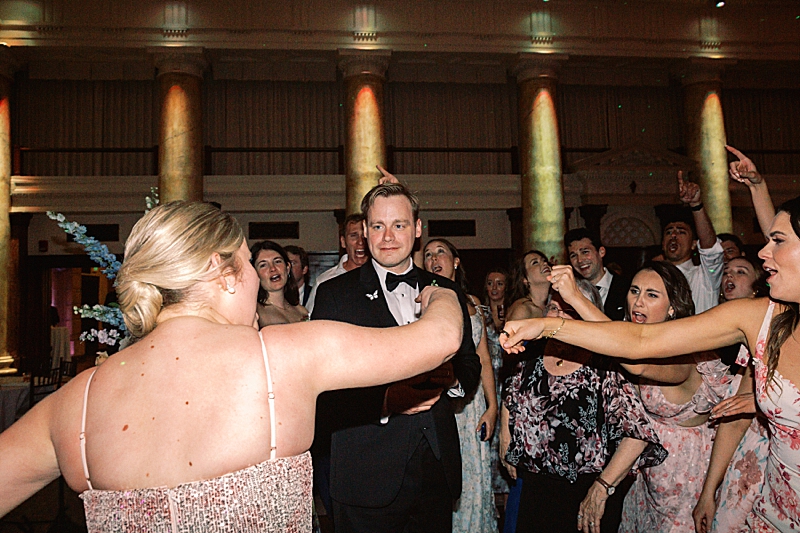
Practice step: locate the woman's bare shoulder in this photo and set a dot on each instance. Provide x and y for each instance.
(524, 308)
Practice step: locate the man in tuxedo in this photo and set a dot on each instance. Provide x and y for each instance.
(395, 456)
(586, 256)
(299, 265)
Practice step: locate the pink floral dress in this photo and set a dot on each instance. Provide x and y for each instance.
(662, 497)
(777, 508)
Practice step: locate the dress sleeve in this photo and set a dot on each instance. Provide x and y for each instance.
(625, 416)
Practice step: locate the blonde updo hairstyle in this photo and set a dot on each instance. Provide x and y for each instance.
(168, 252)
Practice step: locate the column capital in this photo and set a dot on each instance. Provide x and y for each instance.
(8, 63)
(185, 60)
(531, 65)
(704, 70)
(355, 62)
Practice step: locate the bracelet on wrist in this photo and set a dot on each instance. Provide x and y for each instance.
(697, 207)
(552, 333)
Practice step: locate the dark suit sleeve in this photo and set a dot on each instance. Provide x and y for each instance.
(466, 363)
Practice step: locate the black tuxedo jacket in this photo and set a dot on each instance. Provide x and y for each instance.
(616, 301)
(368, 459)
(306, 294)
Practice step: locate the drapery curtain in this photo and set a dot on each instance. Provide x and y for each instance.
(594, 118)
(765, 119)
(264, 114)
(450, 115)
(85, 114)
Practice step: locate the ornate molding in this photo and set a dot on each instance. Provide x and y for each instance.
(355, 62)
(531, 66)
(185, 60)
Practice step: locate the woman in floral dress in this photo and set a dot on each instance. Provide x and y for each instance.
(576, 428)
(767, 327)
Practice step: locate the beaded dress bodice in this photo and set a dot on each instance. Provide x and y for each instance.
(270, 497)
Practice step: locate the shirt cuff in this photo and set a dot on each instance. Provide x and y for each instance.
(456, 392)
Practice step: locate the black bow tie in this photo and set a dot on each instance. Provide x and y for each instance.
(393, 280)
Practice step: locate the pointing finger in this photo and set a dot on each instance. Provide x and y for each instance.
(735, 152)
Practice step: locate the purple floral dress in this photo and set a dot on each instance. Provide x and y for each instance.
(570, 425)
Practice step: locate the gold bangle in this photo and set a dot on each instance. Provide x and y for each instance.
(553, 333)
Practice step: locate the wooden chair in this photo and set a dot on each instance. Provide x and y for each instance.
(44, 384)
(68, 369)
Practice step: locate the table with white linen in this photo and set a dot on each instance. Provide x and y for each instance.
(14, 394)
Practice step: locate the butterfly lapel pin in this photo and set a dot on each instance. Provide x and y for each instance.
(373, 295)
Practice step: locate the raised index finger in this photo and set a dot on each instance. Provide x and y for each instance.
(736, 152)
(680, 178)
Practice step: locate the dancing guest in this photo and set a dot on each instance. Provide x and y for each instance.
(731, 246)
(204, 421)
(494, 311)
(278, 300)
(530, 286)
(678, 244)
(351, 239)
(767, 326)
(586, 256)
(395, 455)
(476, 414)
(577, 428)
(298, 261)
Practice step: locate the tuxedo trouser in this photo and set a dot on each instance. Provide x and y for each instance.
(423, 505)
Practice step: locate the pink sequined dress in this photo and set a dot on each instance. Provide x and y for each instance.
(270, 497)
(777, 508)
(662, 497)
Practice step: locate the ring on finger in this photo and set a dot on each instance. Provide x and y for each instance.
(504, 332)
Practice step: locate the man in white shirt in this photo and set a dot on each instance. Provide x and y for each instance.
(682, 234)
(351, 238)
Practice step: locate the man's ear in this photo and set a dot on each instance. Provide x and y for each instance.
(305, 270)
(602, 252)
(418, 229)
(342, 243)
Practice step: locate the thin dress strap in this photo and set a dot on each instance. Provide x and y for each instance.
(83, 430)
(273, 436)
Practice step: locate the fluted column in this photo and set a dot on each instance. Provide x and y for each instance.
(705, 139)
(365, 144)
(6, 265)
(540, 155)
(180, 132)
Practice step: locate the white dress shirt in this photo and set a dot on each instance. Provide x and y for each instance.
(401, 301)
(604, 284)
(704, 279)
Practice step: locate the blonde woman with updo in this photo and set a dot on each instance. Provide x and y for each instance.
(203, 423)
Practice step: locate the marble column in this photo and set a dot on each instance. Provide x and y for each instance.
(543, 222)
(705, 139)
(180, 132)
(7, 314)
(365, 142)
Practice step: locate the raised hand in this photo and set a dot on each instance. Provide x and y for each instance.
(562, 280)
(386, 176)
(689, 192)
(743, 170)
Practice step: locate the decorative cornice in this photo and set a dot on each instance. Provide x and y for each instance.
(185, 60)
(705, 70)
(530, 66)
(355, 62)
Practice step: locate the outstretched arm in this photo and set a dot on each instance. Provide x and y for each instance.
(726, 324)
(745, 171)
(343, 356)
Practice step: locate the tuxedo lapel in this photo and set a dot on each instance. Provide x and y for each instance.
(375, 307)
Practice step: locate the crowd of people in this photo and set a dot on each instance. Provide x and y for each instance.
(565, 397)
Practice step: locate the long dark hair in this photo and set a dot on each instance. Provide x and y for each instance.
(461, 275)
(518, 273)
(784, 324)
(290, 291)
(678, 291)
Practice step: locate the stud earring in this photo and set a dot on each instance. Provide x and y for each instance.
(231, 289)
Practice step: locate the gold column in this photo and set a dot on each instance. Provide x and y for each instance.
(540, 155)
(705, 139)
(6, 264)
(365, 144)
(180, 132)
